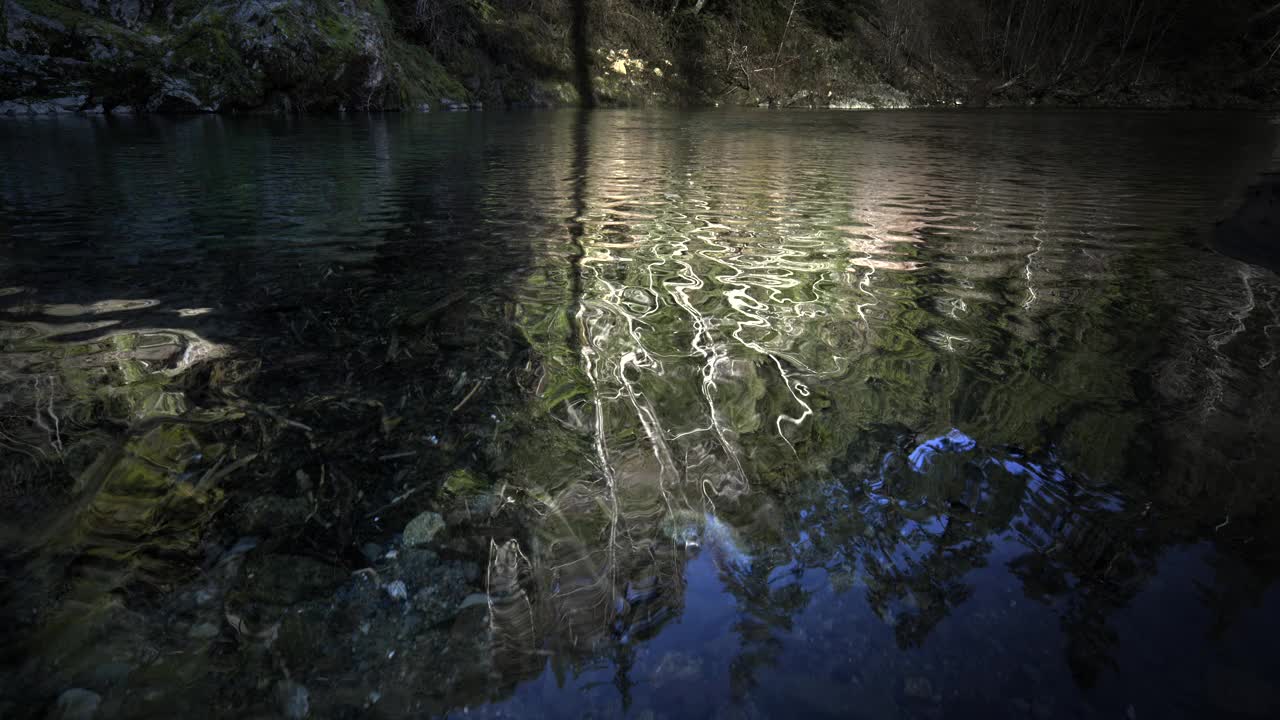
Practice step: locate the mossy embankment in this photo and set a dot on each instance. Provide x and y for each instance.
(191, 56)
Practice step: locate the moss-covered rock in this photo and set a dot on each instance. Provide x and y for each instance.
(462, 483)
(218, 55)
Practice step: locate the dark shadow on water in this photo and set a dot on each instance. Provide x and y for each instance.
(1252, 232)
(577, 223)
(579, 37)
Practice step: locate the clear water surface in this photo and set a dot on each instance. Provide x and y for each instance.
(906, 414)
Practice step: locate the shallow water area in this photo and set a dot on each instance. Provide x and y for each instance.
(642, 413)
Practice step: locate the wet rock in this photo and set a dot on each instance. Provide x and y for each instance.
(287, 579)
(294, 700)
(423, 529)
(77, 704)
(54, 106)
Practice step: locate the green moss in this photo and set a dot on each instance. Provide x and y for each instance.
(338, 31)
(217, 70)
(462, 483)
(315, 53)
(419, 77)
(139, 500)
(79, 23)
(60, 31)
(144, 401)
(322, 57)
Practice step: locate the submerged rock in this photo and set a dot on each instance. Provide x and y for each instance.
(287, 579)
(77, 704)
(423, 529)
(270, 514)
(462, 483)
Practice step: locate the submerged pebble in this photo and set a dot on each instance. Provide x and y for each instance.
(423, 529)
(397, 590)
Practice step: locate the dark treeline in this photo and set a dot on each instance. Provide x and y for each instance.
(977, 51)
(1036, 47)
(219, 55)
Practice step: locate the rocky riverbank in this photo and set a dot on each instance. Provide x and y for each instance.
(182, 56)
(148, 56)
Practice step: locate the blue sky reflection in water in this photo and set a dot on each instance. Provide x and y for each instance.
(726, 415)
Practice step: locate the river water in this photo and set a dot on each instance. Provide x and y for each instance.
(719, 414)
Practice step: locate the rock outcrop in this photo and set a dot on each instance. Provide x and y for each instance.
(221, 55)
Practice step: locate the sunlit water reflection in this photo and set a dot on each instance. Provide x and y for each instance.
(871, 415)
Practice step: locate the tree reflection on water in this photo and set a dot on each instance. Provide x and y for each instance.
(755, 411)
